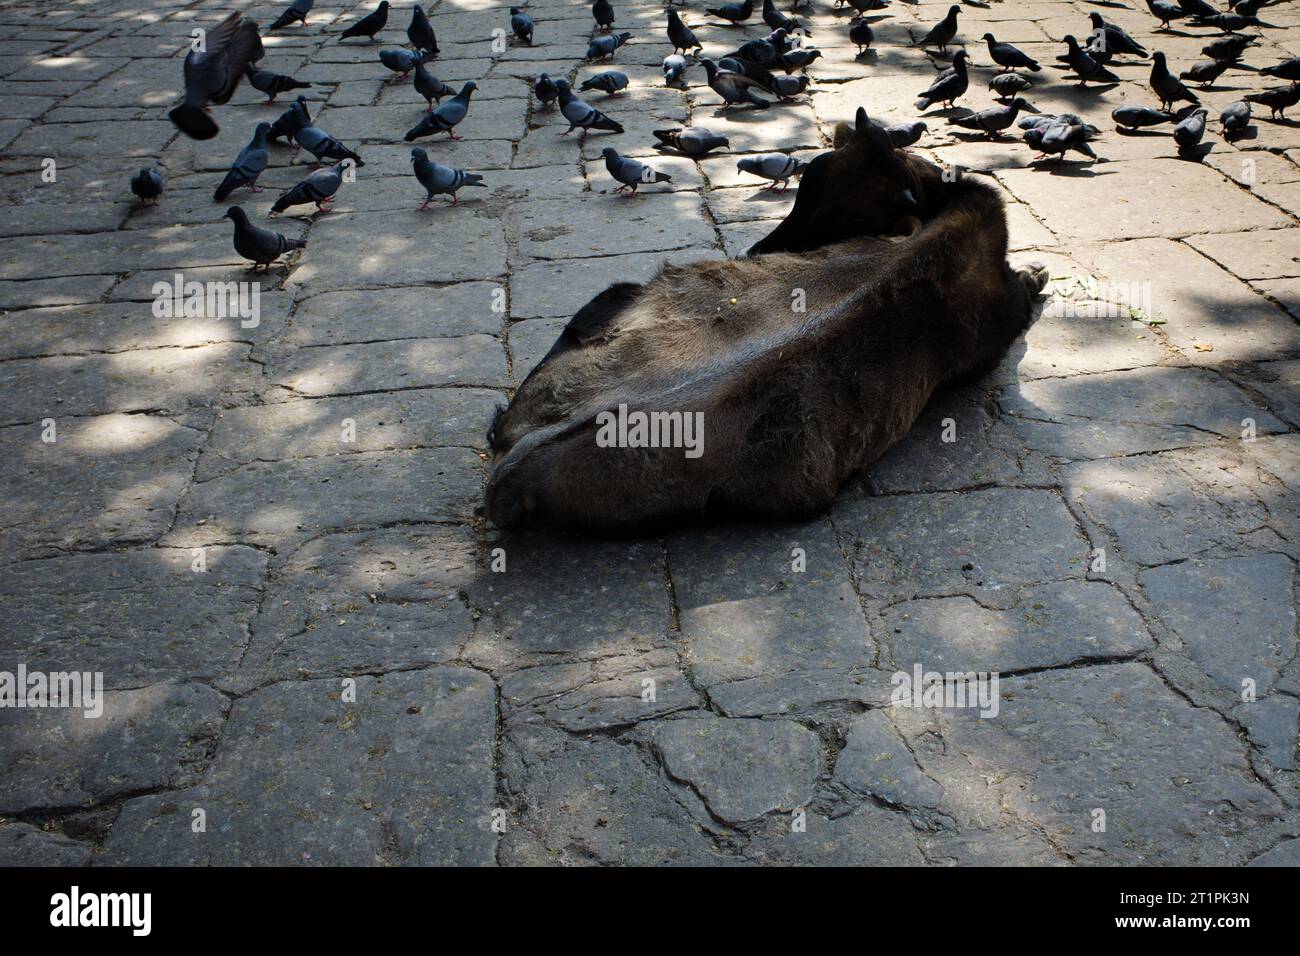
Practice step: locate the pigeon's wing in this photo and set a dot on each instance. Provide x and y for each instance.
(234, 49)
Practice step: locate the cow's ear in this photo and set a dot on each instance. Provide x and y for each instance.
(877, 147)
(842, 135)
(860, 121)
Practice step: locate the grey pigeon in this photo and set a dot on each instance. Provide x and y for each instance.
(272, 84)
(732, 12)
(211, 76)
(368, 25)
(148, 184)
(248, 165)
(861, 6)
(298, 10)
(581, 115)
(1198, 8)
(1057, 135)
(1228, 48)
(401, 62)
(799, 59)
(691, 140)
(1116, 40)
(290, 121)
(429, 86)
(788, 87)
(732, 87)
(1168, 87)
(610, 81)
(1227, 22)
(603, 12)
(860, 35)
(1190, 129)
(1165, 11)
(905, 134)
(764, 51)
(1205, 72)
(446, 117)
(1007, 85)
(322, 145)
(522, 25)
(258, 245)
(992, 121)
(942, 33)
(1009, 57)
(318, 188)
(439, 179)
(1286, 70)
(674, 68)
(1136, 117)
(629, 172)
(779, 21)
(755, 73)
(778, 167)
(1278, 100)
(947, 86)
(545, 90)
(680, 35)
(1085, 65)
(421, 34)
(601, 47)
(1235, 118)
(1248, 8)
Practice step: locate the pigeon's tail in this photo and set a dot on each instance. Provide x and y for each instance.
(607, 124)
(283, 20)
(283, 203)
(356, 30)
(194, 122)
(228, 186)
(1033, 65)
(295, 85)
(290, 244)
(348, 154)
(666, 137)
(758, 101)
(923, 103)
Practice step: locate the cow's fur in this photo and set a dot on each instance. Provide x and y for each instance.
(907, 288)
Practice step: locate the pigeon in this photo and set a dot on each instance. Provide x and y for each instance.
(680, 35)
(1248, 8)
(1116, 40)
(421, 34)
(439, 179)
(1007, 85)
(779, 21)
(861, 35)
(401, 62)
(1197, 8)
(211, 76)
(368, 25)
(1085, 66)
(693, 141)
(1168, 87)
(429, 86)
(545, 91)
(248, 165)
(732, 12)
(148, 185)
(446, 117)
(1235, 118)
(322, 145)
(947, 86)
(788, 87)
(1286, 70)
(941, 33)
(1165, 11)
(1136, 117)
(674, 68)
(603, 11)
(861, 6)
(610, 81)
(601, 47)
(1190, 129)
(1278, 99)
(580, 115)
(778, 167)
(318, 188)
(1205, 72)
(799, 59)
(1227, 22)
(992, 121)
(1058, 135)
(272, 84)
(260, 246)
(905, 134)
(298, 10)
(288, 122)
(732, 87)
(629, 172)
(522, 25)
(1008, 57)
(756, 73)
(762, 51)
(1228, 48)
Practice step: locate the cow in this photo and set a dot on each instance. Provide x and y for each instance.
(799, 364)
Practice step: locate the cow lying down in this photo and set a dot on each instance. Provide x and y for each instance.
(787, 371)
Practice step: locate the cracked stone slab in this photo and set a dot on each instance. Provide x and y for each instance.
(113, 479)
(154, 737)
(341, 318)
(875, 762)
(594, 225)
(747, 610)
(401, 776)
(871, 836)
(140, 617)
(743, 769)
(941, 544)
(1271, 727)
(22, 844)
(789, 692)
(385, 366)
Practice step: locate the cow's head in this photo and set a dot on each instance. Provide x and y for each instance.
(864, 187)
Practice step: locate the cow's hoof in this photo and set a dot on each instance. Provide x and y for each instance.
(1034, 276)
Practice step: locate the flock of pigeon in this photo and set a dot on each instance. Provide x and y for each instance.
(775, 65)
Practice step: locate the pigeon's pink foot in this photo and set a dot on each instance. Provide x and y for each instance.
(423, 206)
(453, 135)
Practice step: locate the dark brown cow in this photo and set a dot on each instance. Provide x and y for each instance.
(905, 286)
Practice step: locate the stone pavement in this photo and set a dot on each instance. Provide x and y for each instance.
(266, 538)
